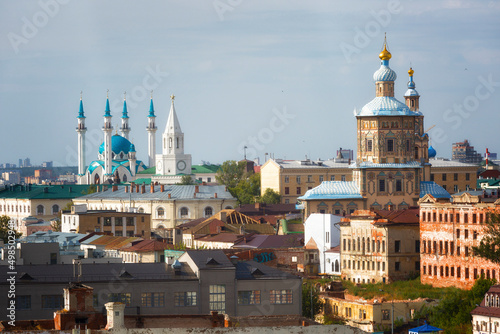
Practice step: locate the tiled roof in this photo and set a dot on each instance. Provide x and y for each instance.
(335, 249)
(177, 192)
(406, 216)
(268, 209)
(333, 190)
(222, 237)
(489, 311)
(490, 173)
(429, 187)
(44, 191)
(147, 246)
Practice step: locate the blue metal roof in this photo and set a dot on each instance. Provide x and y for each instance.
(80, 113)
(151, 109)
(384, 73)
(114, 165)
(119, 144)
(429, 187)
(333, 190)
(432, 152)
(386, 106)
(107, 112)
(125, 113)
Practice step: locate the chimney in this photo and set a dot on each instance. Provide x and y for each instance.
(126, 189)
(194, 195)
(143, 188)
(115, 315)
(137, 188)
(152, 187)
(98, 188)
(162, 188)
(215, 195)
(169, 195)
(114, 188)
(196, 189)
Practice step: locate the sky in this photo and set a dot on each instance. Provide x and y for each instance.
(281, 78)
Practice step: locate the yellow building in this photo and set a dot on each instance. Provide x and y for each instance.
(454, 176)
(292, 178)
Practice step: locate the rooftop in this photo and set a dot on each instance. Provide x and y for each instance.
(32, 191)
(333, 190)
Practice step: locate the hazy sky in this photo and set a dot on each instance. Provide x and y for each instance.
(280, 77)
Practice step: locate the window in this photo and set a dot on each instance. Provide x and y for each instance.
(327, 237)
(107, 221)
(390, 145)
(124, 298)
(467, 177)
(208, 211)
(342, 178)
(397, 246)
(118, 221)
(287, 179)
(397, 266)
(217, 298)
(399, 185)
(321, 177)
(298, 179)
(294, 259)
(309, 178)
(386, 315)
(332, 177)
(407, 145)
(381, 185)
(417, 246)
(466, 234)
(369, 145)
(443, 177)
(52, 302)
(55, 209)
(299, 191)
(432, 177)
(281, 296)
(160, 212)
(458, 233)
(39, 210)
(23, 302)
(153, 299)
(455, 176)
(184, 212)
(187, 298)
(287, 190)
(455, 188)
(249, 297)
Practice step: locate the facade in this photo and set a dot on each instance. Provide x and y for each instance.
(80, 220)
(448, 231)
(454, 176)
(41, 202)
(464, 152)
(380, 246)
(169, 205)
(198, 283)
(486, 316)
(11, 177)
(292, 178)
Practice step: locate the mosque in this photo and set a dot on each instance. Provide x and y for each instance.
(116, 160)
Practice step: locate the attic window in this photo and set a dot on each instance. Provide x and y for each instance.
(212, 261)
(125, 274)
(25, 276)
(256, 272)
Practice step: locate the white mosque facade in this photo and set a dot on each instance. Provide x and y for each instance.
(116, 160)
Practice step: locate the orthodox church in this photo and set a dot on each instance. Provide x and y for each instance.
(116, 160)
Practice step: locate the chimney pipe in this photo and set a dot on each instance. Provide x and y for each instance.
(196, 189)
(126, 189)
(162, 188)
(143, 189)
(169, 195)
(137, 188)
(114, 188)
(215, 195)
(152, 188)
(98, 188)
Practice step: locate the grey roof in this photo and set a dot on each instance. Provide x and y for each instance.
(177, 192)
(209, 259)
(62, 238)
(429, 187)
(250, 270)
(319, 164)
(98, 272)
(367, 164)
(450, 163)
(333, 190)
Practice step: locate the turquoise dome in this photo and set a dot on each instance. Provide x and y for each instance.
(432, 152)
(118, 145)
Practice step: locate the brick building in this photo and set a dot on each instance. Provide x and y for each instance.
(448, 231)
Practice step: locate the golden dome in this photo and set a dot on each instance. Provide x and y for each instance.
(410, 72)
(385, 55)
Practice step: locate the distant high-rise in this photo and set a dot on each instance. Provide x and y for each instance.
(20, 162)
(27, 162)
(464, 152)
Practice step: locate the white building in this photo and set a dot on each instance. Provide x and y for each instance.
(11, 177)
(486, 316)
(321, 230)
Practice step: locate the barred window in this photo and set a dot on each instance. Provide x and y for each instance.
(281, 296)
(124, 298)
(153, 299)
(217, 298)
(249, 297)
(186, 298)
(23, 302)
(52, 302)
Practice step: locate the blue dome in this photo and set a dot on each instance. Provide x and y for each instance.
(386, 106)
(432, 152)
(118, 145)
(384, 73)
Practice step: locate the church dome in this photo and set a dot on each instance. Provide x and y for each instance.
(119, 145)
(432, 152)
(384, 73)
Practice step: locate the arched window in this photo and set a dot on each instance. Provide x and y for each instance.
(55, 209)
(160, 212)
(124, 178)
(208, 211)
(169, 142)
(337, 265)
(184, 212)
(141, 210)
(40, 210)
(177, 142)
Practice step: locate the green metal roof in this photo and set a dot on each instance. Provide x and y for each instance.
(44, 191)
(151, 171)
(143, 180)
(208, 169)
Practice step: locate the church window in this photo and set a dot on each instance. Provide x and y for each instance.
(407, 145)
(369, 145)
(124, 178)
(160, 212)
(169, 142)
(381, 185)
(412, 103)
(177, 142)
(399, 185)
(55, 209)
(416, 152)
(390, 145)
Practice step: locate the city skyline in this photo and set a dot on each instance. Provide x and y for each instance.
(277, 78)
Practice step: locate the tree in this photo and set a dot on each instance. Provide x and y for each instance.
(5, 229)
(311, 303)
(230, 173)
(489, 247)
(91, 189)
(186, 180)
(270, 197)
(247, 190)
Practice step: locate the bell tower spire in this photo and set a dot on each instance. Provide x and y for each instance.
(411, 95)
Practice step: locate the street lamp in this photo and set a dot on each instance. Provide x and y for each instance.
(392, 312)
(489, 316)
